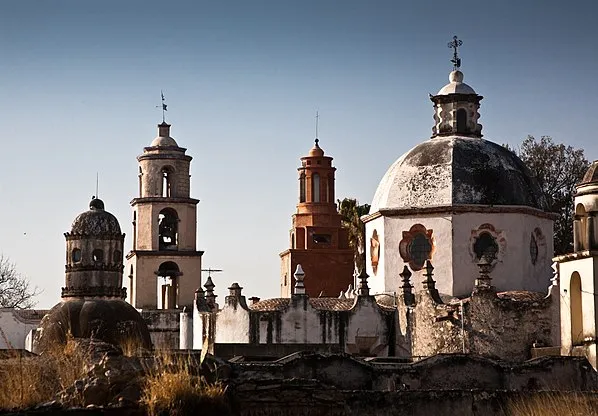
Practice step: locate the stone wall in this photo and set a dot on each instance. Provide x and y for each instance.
(164, 327)
(502, 325)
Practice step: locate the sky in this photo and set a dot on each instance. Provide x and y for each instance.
(80, 83)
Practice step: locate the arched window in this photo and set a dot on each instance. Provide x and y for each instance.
(461, 121)
(315, 178)
(117, 257)
(170, 272)
(167, 181)
(580, 227)
(576, 310)
(76, 255)
(97, 255)
(168, 224)
(417, 246)
(302, 188)
(485, 245)
(131, 285)
(140, 181)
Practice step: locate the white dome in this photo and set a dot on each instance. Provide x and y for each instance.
(164, 141)
(456, 85)
(455, 170)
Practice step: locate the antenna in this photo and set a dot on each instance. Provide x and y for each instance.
(454, 44)
(97, 184)
(317, 122)
(210, 271)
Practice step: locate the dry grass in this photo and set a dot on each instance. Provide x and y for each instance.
(28, 381)
(172, 388)
(131, 347)
(554, 403)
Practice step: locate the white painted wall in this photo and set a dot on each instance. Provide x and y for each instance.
(300, 323)
(588, 271)
(392, 263)
(232, 324)
(515, 270)
(14, 329)
(366, 327)
(455, 269)
(376, 280)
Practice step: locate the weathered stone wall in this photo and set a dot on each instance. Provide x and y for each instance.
(164, 327)
(505, 326)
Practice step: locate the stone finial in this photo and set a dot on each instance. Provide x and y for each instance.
(406, 279)
(299, 277)
(484, 266)
(210, 296)
(235, 290)
(364, 289)
(429, 282)
(350, 293)
(407, 287)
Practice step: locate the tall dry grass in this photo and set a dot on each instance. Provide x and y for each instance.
(554, 403)
(27, 381)
(174, 387)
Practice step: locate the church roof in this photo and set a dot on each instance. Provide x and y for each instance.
(456, 85)
(591, 174)
(96, 221)
(322, 304)
(455, 170)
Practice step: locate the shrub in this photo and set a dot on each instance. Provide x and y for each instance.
(172, 388)
(27, 381)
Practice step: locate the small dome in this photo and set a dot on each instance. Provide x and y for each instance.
(591, 174)
(456, 85)
(455, 170)
(164, 142)
(96, 221)
(316, 151)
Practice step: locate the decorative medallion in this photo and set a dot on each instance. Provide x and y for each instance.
(533, 249)
(374, 251)
(417, 246)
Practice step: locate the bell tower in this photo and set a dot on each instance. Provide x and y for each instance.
(164, 266)
(318, 241)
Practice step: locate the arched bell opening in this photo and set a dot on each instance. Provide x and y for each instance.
(168, 233)
(168, 285)
(580, 227)
(167, 181)
(462, 121)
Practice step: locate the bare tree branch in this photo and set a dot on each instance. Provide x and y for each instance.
(15, 289)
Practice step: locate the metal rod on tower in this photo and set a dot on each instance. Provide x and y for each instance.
(454, 44)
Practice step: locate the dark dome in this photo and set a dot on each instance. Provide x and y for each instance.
(96, 221)
(109, 320)
(446, 171)
(591, 174)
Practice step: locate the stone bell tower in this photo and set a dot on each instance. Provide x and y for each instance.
(164, 266)
(318, 241)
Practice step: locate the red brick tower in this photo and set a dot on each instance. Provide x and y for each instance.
(318, 242)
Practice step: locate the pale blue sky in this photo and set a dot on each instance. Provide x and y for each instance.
(243, 80)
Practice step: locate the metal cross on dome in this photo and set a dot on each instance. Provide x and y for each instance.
(454, 44)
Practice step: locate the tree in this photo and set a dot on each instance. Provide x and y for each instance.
(15, 289)
(351, 213)
(557, 168)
